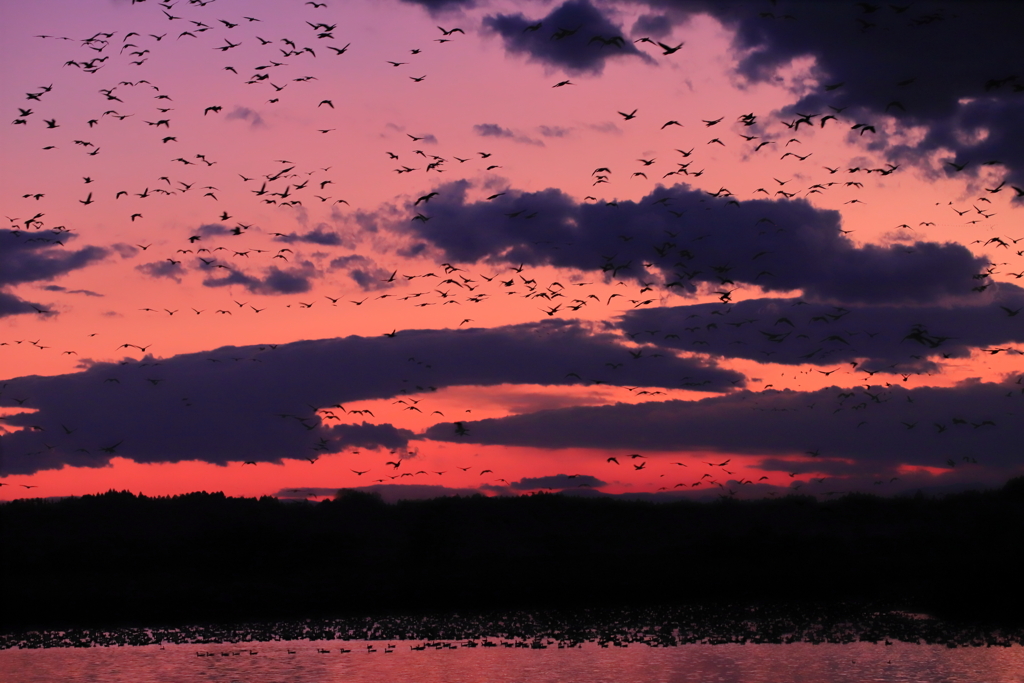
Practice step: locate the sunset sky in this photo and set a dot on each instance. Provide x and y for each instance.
(436, 247)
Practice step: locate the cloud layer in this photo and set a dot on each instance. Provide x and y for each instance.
(910, 62)
(691, 239)
(575, 37)
(891, 338)
(837, 431)
(37, 256)
(258, 403)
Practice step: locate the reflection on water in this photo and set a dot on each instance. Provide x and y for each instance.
(323, 661)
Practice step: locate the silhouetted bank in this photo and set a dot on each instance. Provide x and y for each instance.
(120, 559)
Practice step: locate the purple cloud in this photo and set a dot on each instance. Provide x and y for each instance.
(254, 402)
(575, 36)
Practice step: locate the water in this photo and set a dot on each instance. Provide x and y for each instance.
(859, 662)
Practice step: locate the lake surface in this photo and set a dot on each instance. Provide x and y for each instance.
(452, 662)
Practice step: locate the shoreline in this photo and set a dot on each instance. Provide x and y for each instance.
(664, 626)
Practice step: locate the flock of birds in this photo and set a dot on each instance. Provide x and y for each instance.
(690, 624)
(225, 249)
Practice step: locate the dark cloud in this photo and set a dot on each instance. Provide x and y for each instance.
(368, 435)
(493, 130)
(27, 257)
(168, 268)
(890, 338)
(12, 305)
(319, 235)
(653, 25)
(294, 280)
(389, 493)
(37, 256)
(369, 281)
(254, 403)
(440, 6)
(872, 56)
(364, 271)
(213, 230)
(929, 484)
(1001, 141)
(58, 288)
(854, 431)
(693, 239)
(575, 37)
(349, 261)
(556, 481)
(125, 250)
(246, 114)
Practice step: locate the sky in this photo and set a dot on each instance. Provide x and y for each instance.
(662, 249)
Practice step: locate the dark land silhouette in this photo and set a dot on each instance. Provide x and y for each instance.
(119, 559)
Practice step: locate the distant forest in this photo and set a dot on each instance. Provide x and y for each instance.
(118, 559)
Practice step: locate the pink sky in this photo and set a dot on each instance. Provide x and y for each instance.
(481, 96)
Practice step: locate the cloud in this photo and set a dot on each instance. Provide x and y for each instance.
(694, 240)
(903, 54)
(496, 131)
(608, 127)
(389, 493)
(168, 268)
(553, 131)
(253, 403)
(319, 235)
(436, 7)
(556, 481)
(492, 130)
(125, 250)
(12, 305)
(368, 435)
(929, 484)
(654, 25)
(852, 431)
(32, 257)
(364, 271)
(213, 230)
(1001, 143)
(575, 37)
(246, 114)
(58, 288)
(891, 338)
(294, 280)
